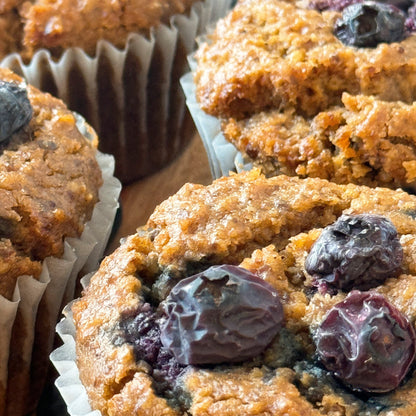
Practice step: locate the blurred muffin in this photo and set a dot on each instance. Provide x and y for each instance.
(58, 25)
(161, 329)
(51, 183)
(118, 64)
(10, 31)
(298, 92)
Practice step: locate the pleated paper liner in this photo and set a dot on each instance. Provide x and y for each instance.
(64, 359)
(222, 155)
(27, 322)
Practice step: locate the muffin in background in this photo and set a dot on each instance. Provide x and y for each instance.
(276, 81)
(58, 202)
(11, 27)
(63, 24)
(118, 64)
(177, 279)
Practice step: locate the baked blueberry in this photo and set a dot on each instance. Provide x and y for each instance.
(339, 5)
(15, 109)
(357, 251)
(142, 331)
(369, 23)
(224, 314)
(331, 4)
(366, 342)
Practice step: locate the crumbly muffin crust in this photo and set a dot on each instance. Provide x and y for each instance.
(276, 54)
(365, 141)
(268, 227)
(49, 185)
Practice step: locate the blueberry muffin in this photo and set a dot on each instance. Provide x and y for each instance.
(255, 296)
(58, 25)
(320, 88)
(49, 176)
(49, 186)
(276, 54)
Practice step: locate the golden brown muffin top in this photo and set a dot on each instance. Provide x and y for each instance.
(277, 54)
(57, 25)
(49, 180)
(267, 226)
(364, 141)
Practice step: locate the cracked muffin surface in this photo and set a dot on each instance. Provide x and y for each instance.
(266, 226)
(365, 141)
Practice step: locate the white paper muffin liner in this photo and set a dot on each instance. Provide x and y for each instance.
(64, 359)
(27, 322)
(131, 97)
(223, 156)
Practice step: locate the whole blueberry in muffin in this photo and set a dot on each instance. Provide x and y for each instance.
(369, 23)
(357, 251)
(215, 317)
(366, 342)
(15, 109)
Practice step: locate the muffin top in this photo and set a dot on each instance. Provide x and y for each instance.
(58, 25)
(8, 5)
(276, 54)
(255, 260)
(49, 178)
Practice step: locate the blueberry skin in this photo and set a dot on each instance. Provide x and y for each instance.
(356, 252)
(370, 23)
(15, 109)
(366, 342)
(224, 314)
(340, 5)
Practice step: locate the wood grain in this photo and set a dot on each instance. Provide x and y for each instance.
(139, 199)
